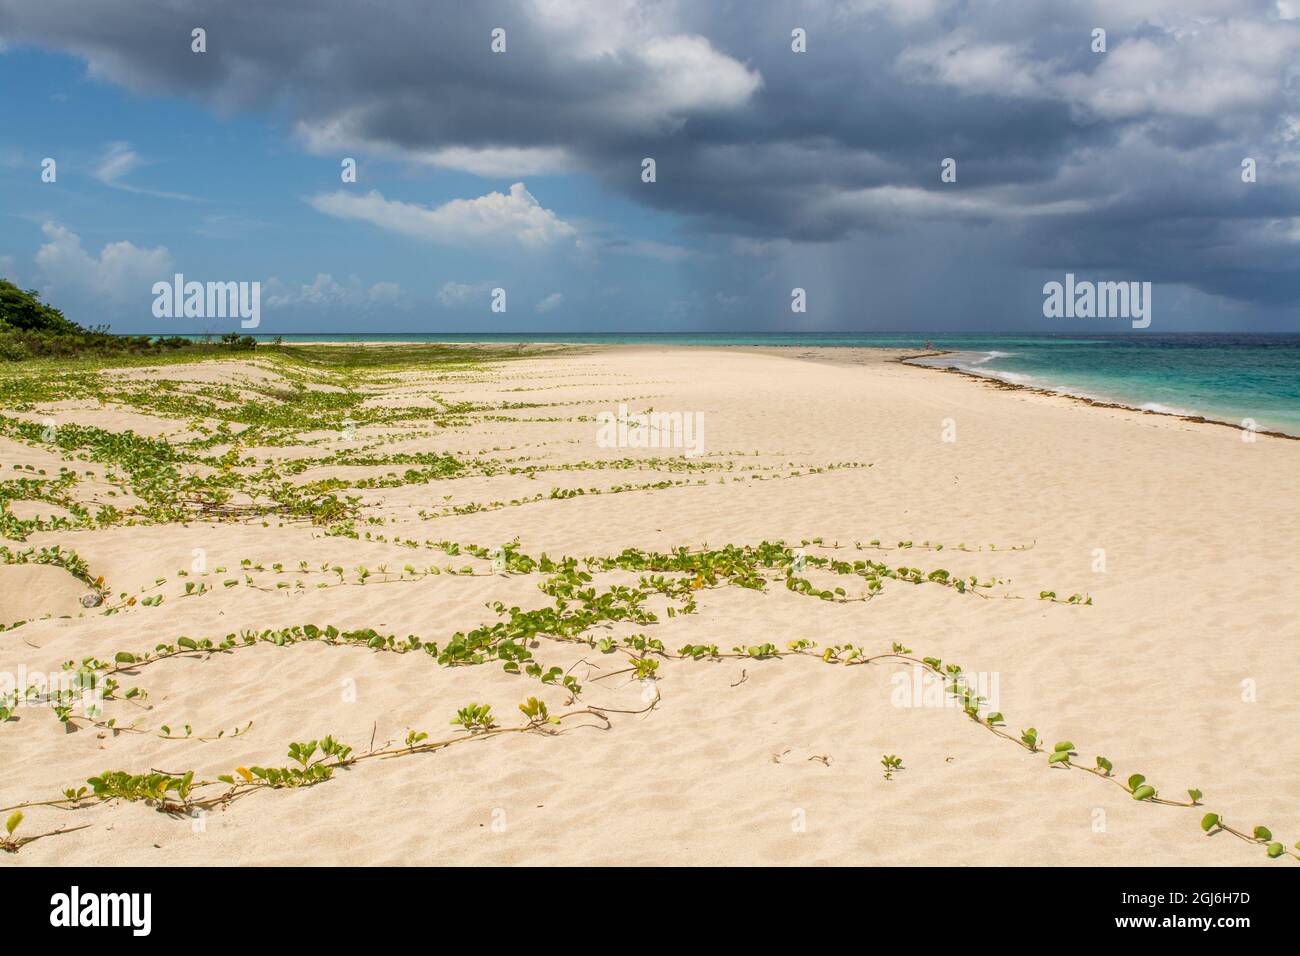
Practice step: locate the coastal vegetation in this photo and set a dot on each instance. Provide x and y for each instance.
(306, 443)
(30, 329)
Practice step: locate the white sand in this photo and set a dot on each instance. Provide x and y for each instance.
(745, 762)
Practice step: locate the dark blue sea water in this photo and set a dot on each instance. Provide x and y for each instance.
(1226, 376)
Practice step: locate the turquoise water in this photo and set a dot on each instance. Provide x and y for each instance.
(1226, 376)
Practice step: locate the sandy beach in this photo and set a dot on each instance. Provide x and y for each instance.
(1167, 642)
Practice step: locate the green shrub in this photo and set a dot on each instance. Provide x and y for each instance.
(25, 312)
(31, 329)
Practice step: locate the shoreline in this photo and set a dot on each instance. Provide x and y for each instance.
(1002, 384)
(822, 353)
(816, 353)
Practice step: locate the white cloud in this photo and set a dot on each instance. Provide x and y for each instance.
(550, 303)
(1207, 70)
(326, 292)
(973, 67)
(902, 203)
(341, 134)
(689, 75)
(496, 217)
(677, 73)
(639, 68)
(120, 160)
(595, 28)
(122, 273)
(501, 161)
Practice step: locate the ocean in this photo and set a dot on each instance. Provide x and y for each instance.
(1225, 376)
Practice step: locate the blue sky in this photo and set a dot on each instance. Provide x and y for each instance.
(776, 169)
(228, 197)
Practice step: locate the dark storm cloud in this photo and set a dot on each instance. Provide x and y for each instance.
(1067, 159)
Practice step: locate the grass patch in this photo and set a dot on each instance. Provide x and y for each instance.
(425, 355)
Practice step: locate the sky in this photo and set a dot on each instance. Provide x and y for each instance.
(796, 145)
